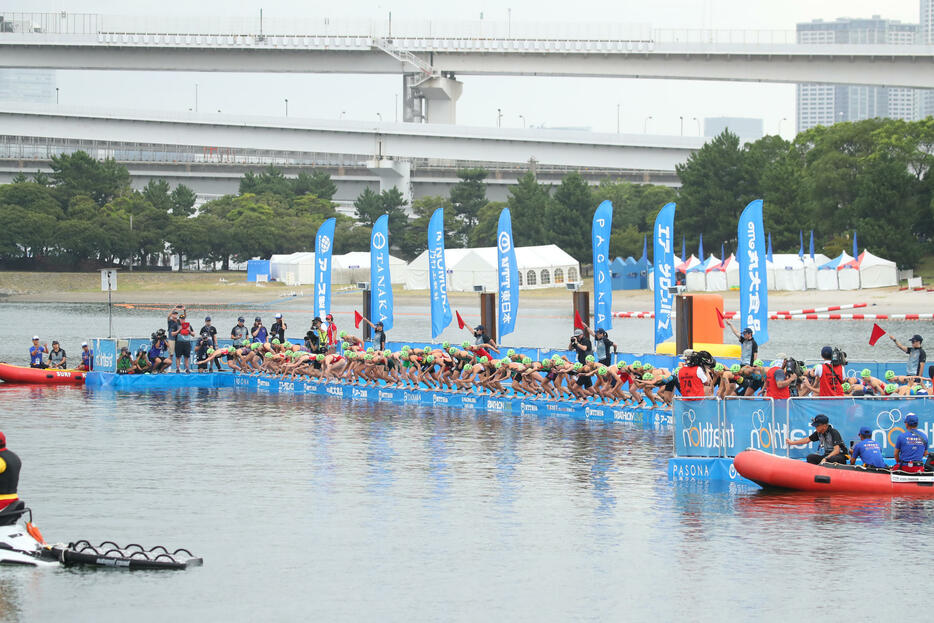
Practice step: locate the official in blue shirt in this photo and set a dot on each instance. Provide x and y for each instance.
(867, 450)
(911, 447)
(35, 353)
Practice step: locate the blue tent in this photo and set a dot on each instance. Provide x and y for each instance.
(617, 272)
(643, 267)
(257, 267)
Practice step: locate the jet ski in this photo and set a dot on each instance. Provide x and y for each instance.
(21, 543)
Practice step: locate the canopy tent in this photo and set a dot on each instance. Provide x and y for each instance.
(545, 266)
(810, 269)
(827, 278)
(788, 270)
(717, 275)
(650, 274)
(686, 265)
(876, 272)
(696, 278)
(293, 269)
(355, 267)
(617, 273)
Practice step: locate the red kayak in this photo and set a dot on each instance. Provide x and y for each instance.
(777, 472)
(40, 376)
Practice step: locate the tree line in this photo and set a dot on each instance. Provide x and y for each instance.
(870, 176)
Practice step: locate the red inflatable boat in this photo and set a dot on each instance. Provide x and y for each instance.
(777, 472)
(40, 376)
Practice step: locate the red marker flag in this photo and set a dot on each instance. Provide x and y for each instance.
(460, 321)
(720, 318)
(357, 319)
(578, 323)
(877, 332)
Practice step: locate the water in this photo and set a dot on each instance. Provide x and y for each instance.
(310, 508)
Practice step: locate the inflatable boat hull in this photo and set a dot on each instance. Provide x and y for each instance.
(40, 376)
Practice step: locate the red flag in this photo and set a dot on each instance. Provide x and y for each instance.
(720, 318)
(578, 323)
(460, 321)
(357, 319)
(877, 332)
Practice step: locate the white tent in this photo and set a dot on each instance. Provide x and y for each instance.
(355, 266)
(848, 275)
(544, 266)
(827, 274)
(810, 269)
(876, 272)
(717, 275)
(788, 271)
(295, 269)
(696, 278)
(275, 264)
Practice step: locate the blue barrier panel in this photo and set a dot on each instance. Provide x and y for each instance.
(886, 416)
(697, 430)
(689, 468)
(749, 423)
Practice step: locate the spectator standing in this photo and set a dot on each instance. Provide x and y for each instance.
(172, 328)
(87, 358)
(331, 329)
(183, 339)
(259, 333)
(277, 330)
(57, 356)
(36, 352)
(916, 355)
(239, 331)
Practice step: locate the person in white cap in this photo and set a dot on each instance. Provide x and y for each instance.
(277, 330)
(87, 358)
(35, 353)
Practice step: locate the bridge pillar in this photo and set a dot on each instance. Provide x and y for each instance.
(393, 174)
(430, 101)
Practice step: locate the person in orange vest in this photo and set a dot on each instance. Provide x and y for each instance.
(778, 380)
(9, 474)
(692, 378)
(829, 375)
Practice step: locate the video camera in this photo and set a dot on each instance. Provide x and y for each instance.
(795, 367)
(702, 359)
(837, 357)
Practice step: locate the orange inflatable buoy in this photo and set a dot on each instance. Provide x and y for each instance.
(34, 533)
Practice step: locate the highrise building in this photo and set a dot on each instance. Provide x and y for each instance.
(926, 37)
(825, 104)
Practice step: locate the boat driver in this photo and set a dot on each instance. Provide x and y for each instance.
(868, 450)
(9, 474)
(831, 445)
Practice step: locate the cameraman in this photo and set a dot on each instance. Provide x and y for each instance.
(692, 377)
(779, 379)
(580, 343)
(830, 372)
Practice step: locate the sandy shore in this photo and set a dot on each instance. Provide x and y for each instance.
(165, 289)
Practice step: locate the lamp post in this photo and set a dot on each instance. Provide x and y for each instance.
(56, 96)
(645, 123)
(286, 107)
(780, 124)
(499, 117)
(698, 125)
(380, 117)
(682, 124)
(523, 121)
(617, 118)
(343, 112)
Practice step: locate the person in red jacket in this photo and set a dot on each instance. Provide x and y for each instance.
(693, 378)
(778, 380)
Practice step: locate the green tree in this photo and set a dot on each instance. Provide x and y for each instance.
(270, 180)
(484, 234)
(368, 207)
(414, 240)
(318, 183)
(79, 174)
(157, 193)
(468, 197)
(183, 201)
(528, 203)
(568, 214)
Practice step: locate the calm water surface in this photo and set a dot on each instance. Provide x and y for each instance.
(309, 508)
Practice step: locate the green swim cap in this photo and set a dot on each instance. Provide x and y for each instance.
(758, 363)
(286, 343)
(275, 341)
(406, 348)
(621, 364)
(319, 358)
(349, 354)
(210, 351)
(465, 344)
(344, 346)
(636, 364)
(526, 360)
(889, 375)
(546, 363)
(452, 351)
(246, 342)
(370, 349)
(255, 345)
(445, 345)
(556, 358)
(429, 358)
(387, 353)
(497, 363)
(647, 366)
(846, 387)
(590, 359)
(890, 388)
(510, 352)
(484, 359)
(268, 355)
(647, 376)
(368, 356)
(865, 373)
(735, 368)
(578, 366)
(602, 370)
(341, 334)
(719, 367)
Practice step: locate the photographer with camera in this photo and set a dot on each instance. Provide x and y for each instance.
(830, 372)
(581, 345)
(159, 357)
(781, 377)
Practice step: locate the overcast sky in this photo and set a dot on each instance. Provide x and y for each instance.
(550, 101)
